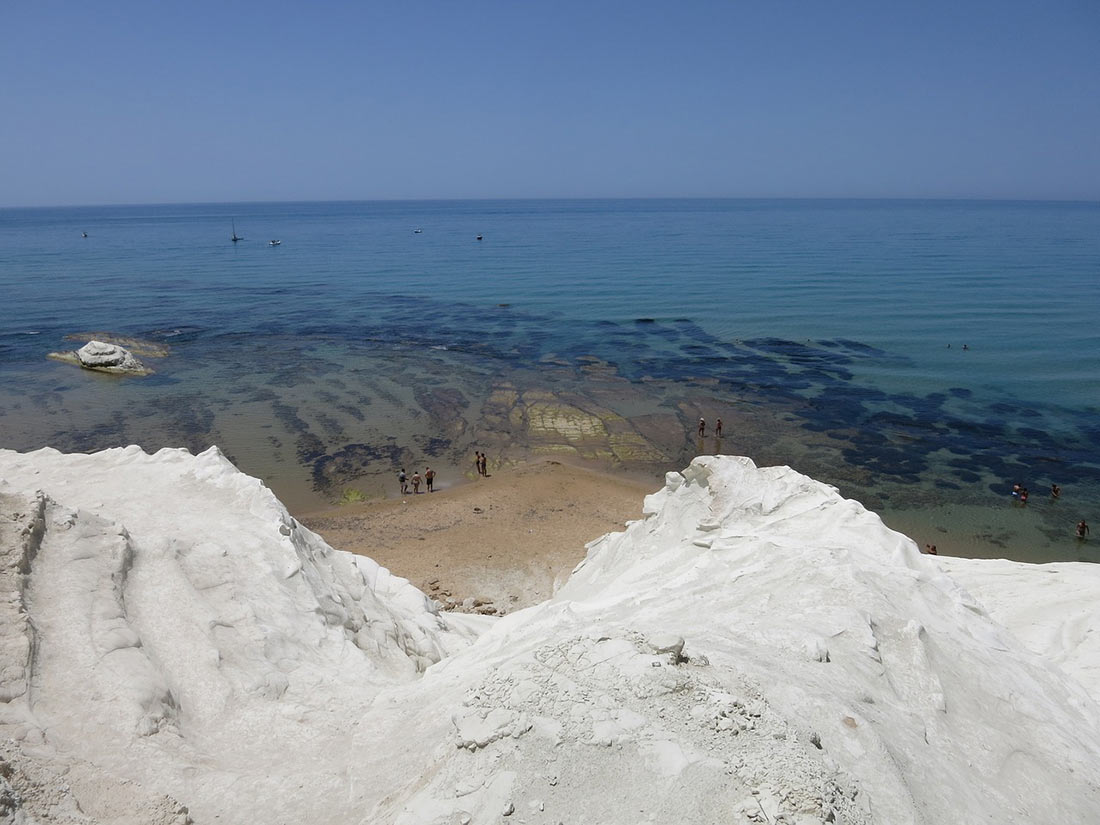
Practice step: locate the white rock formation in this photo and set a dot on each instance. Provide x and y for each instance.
(99, 355)
(104, 357)
(1054, 609)
(96, 355)
(756, 649)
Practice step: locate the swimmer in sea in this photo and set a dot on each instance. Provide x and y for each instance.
(1055, 491)
(1082, 529)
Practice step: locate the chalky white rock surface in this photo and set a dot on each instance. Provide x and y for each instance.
(1054, 609)
(103, 356)
(175, 647)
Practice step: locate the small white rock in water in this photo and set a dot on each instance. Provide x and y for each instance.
(100, 354)
(104, 357)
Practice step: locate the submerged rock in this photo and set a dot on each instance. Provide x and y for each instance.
(104, 357)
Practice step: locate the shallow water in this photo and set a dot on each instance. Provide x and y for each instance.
(595, 330)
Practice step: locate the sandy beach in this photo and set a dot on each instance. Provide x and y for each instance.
(501, 541)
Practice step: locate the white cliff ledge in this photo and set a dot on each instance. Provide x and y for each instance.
(174, 647)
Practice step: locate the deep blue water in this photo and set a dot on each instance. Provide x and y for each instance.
(949, 346)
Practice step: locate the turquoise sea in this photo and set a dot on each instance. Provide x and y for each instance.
(920, 355)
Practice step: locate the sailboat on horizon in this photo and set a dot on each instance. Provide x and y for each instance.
(235, 237)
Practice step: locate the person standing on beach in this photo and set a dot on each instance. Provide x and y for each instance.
(429, 477)
(403, 480)
(416, 482)
(702, 427)
(718, 428)
(484, 465)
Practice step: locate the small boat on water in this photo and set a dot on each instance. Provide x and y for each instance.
(274, 243)
(235, 237)
(418, 231)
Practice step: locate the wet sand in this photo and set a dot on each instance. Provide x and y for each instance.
(501, 541)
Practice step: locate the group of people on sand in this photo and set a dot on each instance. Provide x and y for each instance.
(703, 428)
(428, 479)
(1020, 496)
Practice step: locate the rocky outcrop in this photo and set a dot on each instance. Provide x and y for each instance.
(754, 649)
(104, 357)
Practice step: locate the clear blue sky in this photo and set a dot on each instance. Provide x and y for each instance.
(150, 102)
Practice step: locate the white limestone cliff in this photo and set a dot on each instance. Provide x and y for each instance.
(175, 647)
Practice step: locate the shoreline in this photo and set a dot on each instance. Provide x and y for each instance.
(490, 545)
(504, 542)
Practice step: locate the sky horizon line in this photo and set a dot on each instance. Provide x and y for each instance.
(501, 199)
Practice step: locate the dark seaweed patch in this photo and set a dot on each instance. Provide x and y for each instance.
(1035, 435)
(353, 411)
(353, 461)
(432, 446)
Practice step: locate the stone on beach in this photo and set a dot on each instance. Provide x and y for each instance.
(667, 643)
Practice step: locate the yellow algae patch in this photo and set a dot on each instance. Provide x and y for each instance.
(503, 397)
(549, 420)
(498, 410)
(629, 446)
(554, 449)
(531, 396)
